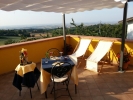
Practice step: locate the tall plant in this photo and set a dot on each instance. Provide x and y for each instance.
(80, 29)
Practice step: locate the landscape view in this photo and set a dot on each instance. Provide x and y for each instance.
(22, 34)
(20, 26)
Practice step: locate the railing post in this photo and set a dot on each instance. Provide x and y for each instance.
(64, 33)
(123, 36)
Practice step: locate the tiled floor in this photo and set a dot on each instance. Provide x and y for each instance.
(110, 85)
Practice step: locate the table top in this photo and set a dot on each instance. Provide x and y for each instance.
(26, 75)
(49, 65)
(22, 69)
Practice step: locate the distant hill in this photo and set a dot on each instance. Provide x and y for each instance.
(29, 27)
(48, 26)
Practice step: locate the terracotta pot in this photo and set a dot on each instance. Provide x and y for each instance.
(125, 65)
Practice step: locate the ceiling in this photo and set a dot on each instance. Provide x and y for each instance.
(59, 6)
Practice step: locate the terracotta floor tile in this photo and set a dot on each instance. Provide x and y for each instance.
(75, 98)
(127, 90)
(92, 85)
(109, 85)
(73, 94)
(95, 92)
(102, 85)
(108, 80)
(86, 72)
(17, 97)
(121, 97)
(110, 97)
(6, 97)
(115, 90)
(112, 85)
(64, 98)
(106, 91)
(90, 80)
(72, 87)
(129, 84)
(122, 84)
(84, 92)
(89, 77)
(82, 87)
(130, 96)
(41, 99)
(85, 98)
(83, 80)
(97, 97)
(99, 80)
(1, 94)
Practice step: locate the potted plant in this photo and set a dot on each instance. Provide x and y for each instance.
(126, 59)
(69, 49)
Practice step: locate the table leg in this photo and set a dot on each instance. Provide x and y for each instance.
(75, 89)
(46, 94)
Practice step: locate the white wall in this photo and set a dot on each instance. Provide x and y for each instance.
(130, 30)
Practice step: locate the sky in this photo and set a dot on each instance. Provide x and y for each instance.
(14, 18)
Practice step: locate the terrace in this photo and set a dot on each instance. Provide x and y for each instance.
(110, 85)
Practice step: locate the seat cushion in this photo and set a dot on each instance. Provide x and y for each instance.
(61, 79)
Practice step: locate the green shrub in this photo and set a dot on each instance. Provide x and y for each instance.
(10, 41)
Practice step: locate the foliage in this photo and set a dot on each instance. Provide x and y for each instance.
(103, 30)
(33, 35)
(10, 41)
(23, 37)
(57, 32)
(80, 29)
(69, 48)
(126, 57)
(46, 55)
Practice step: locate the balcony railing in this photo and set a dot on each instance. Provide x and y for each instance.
(9, 54)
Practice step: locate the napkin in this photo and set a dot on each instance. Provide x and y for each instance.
(56, 63)
(54, 58)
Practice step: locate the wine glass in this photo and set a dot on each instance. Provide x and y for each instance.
(46, 60)
(61, 55)
(51, 55)
(46, 57)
